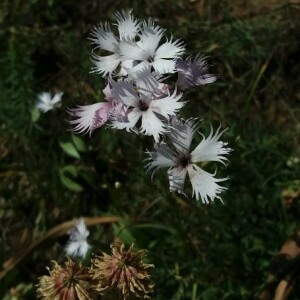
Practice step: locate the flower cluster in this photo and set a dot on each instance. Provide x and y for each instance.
(121, 275)
(138, 62)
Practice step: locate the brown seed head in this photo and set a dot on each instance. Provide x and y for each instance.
(123, 273)
(71, 282)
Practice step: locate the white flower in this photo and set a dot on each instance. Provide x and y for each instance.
(147, 102)
(105, 39)
(149, 51)
(77, 245)
(182, 162)
(193, 72)
(47, 102)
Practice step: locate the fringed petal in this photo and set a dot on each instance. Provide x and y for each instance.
(182, 132)
(176, 179)
(211, 149)
(162, 157)
(204, 184)
(167, 106)
(128, 26)
(90, 117)
(150, 38)
(193, 72)
(104, 38)
(164, 66)
(152, 125)
(105, 64)
(170, 49)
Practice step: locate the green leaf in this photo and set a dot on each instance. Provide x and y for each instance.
(35, 115)
(70, 169)
(124, 233)
(65, 179)
(157, 226)
(210, 294)
(79, 143)
(70, 149)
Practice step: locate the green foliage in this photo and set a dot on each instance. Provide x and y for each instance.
(49, 175)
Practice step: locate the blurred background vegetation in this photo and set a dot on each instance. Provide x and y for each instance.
(49, 176)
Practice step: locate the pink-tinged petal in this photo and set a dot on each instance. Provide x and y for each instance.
(164, 66)
(193, 72)
(152, 125)
(163, 90)
(204, 184)
(182, 133)
(130, 50)
(105, 64)
(102, 114)
(107, 91)
(170, 49)
(119, 111)
(167, 106)
(211, 149)
(128, 26)
(176, 179)
(90, 117)
(103, 37)
(125, 93)
(162, 157)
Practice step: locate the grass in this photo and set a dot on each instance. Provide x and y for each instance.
(200, 252)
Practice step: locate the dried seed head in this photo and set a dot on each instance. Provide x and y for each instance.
(72, 282)
(123, 273)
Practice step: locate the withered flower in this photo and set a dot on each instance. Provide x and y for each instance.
(123, 273)
(69, 282)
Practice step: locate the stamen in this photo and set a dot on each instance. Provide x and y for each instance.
(184, 161)
(143, 106)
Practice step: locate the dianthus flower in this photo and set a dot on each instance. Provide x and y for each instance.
(47, 102)
(147, 100)
(78, 245)
(181, 161)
